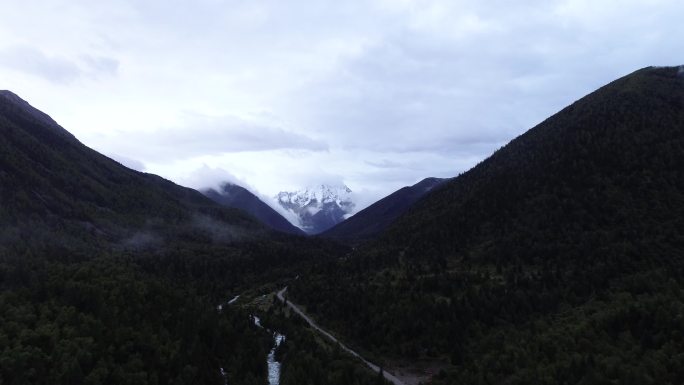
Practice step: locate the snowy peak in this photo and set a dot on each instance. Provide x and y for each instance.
(319, 194)
(318, 207)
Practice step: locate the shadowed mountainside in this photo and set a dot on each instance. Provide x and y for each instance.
(109, 275)
(55, 189)
(231, 195)
(556, 260)
(375, 218)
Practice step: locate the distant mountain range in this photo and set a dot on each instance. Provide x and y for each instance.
(94, 197)
(319, 207)
(232, 195)
(324, 209)
(372, 220)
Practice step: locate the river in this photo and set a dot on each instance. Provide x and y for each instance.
(273, 365)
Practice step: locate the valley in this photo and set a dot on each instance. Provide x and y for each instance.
(556, 260)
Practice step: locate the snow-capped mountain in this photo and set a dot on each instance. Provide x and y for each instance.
(318, 208)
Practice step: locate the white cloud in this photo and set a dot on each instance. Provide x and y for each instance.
(54, 68)
(128, 162)
(206, 177)
(377, 94)
(199, 135)
(33, 61)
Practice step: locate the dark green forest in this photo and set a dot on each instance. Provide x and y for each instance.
(309, 359)
(142, 317)
(556, 260)
(106, 321)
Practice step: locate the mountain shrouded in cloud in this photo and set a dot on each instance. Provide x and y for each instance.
(318, 208)
(55, 189)
(232, 195)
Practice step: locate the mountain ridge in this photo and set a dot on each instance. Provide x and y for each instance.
(627, 89)
(35, 113)
(233, 195)
(372, 220)
(551, 256)
(49, 180)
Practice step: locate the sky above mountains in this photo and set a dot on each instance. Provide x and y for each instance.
(275, 95)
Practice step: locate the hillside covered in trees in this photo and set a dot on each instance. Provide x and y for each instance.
(556, 260)
(375, 218)
(109, 275)
(232, 195)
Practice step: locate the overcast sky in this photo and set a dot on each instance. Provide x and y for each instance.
(284, 93)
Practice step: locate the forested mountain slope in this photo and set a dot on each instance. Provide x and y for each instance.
(54, 189)
(232, 195)
(559, 259)
(612, 161)
(111, 276)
